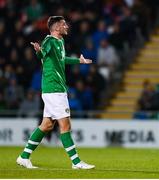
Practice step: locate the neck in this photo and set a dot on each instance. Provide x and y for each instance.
(56, 35)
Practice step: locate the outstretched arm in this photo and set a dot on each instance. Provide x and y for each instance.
(42, 51)
(80, 60)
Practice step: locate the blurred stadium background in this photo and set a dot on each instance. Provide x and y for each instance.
(114, 101)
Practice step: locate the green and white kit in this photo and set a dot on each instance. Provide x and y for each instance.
(54, 86)
(54, 95)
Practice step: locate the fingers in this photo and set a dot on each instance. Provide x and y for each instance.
(81, 56)
(32, 43)
(85, 61)
(88, 61)
(36, 46)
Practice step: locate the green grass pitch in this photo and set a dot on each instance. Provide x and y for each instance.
(110, 163)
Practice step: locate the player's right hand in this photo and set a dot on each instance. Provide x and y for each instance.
(36, 46)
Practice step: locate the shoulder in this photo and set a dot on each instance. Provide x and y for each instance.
(48, 40)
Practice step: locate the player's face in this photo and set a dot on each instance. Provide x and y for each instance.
(63, 27)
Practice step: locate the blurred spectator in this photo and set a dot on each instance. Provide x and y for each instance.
(141, 14)
(36, 81)
(148, 104)
(74, 102)
(34, 10)
(29, 64)
(20, 75)
(88, 50)
(30, 105)
(145, 101)
(107, 58)
(9, 72)
(85, 95)
(13, 94)
(20, 44)
(116, 38)
(130, 3)
(153, 7)
(14, 58)
(128, 25)
(100, 34)
(84, 32)
(96, 83)
(7, 47)
(75, 75)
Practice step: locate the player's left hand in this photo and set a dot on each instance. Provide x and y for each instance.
(85, 61)
(36, 46)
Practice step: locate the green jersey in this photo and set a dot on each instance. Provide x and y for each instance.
(53, 59)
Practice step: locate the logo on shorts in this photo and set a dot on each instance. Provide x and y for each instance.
(67, 110)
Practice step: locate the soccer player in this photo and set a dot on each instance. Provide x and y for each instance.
(54, 93)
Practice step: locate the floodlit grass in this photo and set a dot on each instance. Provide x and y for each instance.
(110, 163)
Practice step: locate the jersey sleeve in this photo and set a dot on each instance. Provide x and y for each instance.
(69, 60)
(45, 49)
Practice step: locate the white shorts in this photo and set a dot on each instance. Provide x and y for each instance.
(56, 105)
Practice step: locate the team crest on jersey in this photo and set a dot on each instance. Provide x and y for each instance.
(67, 110)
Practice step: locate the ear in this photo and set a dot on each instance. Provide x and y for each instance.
(53, 28)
